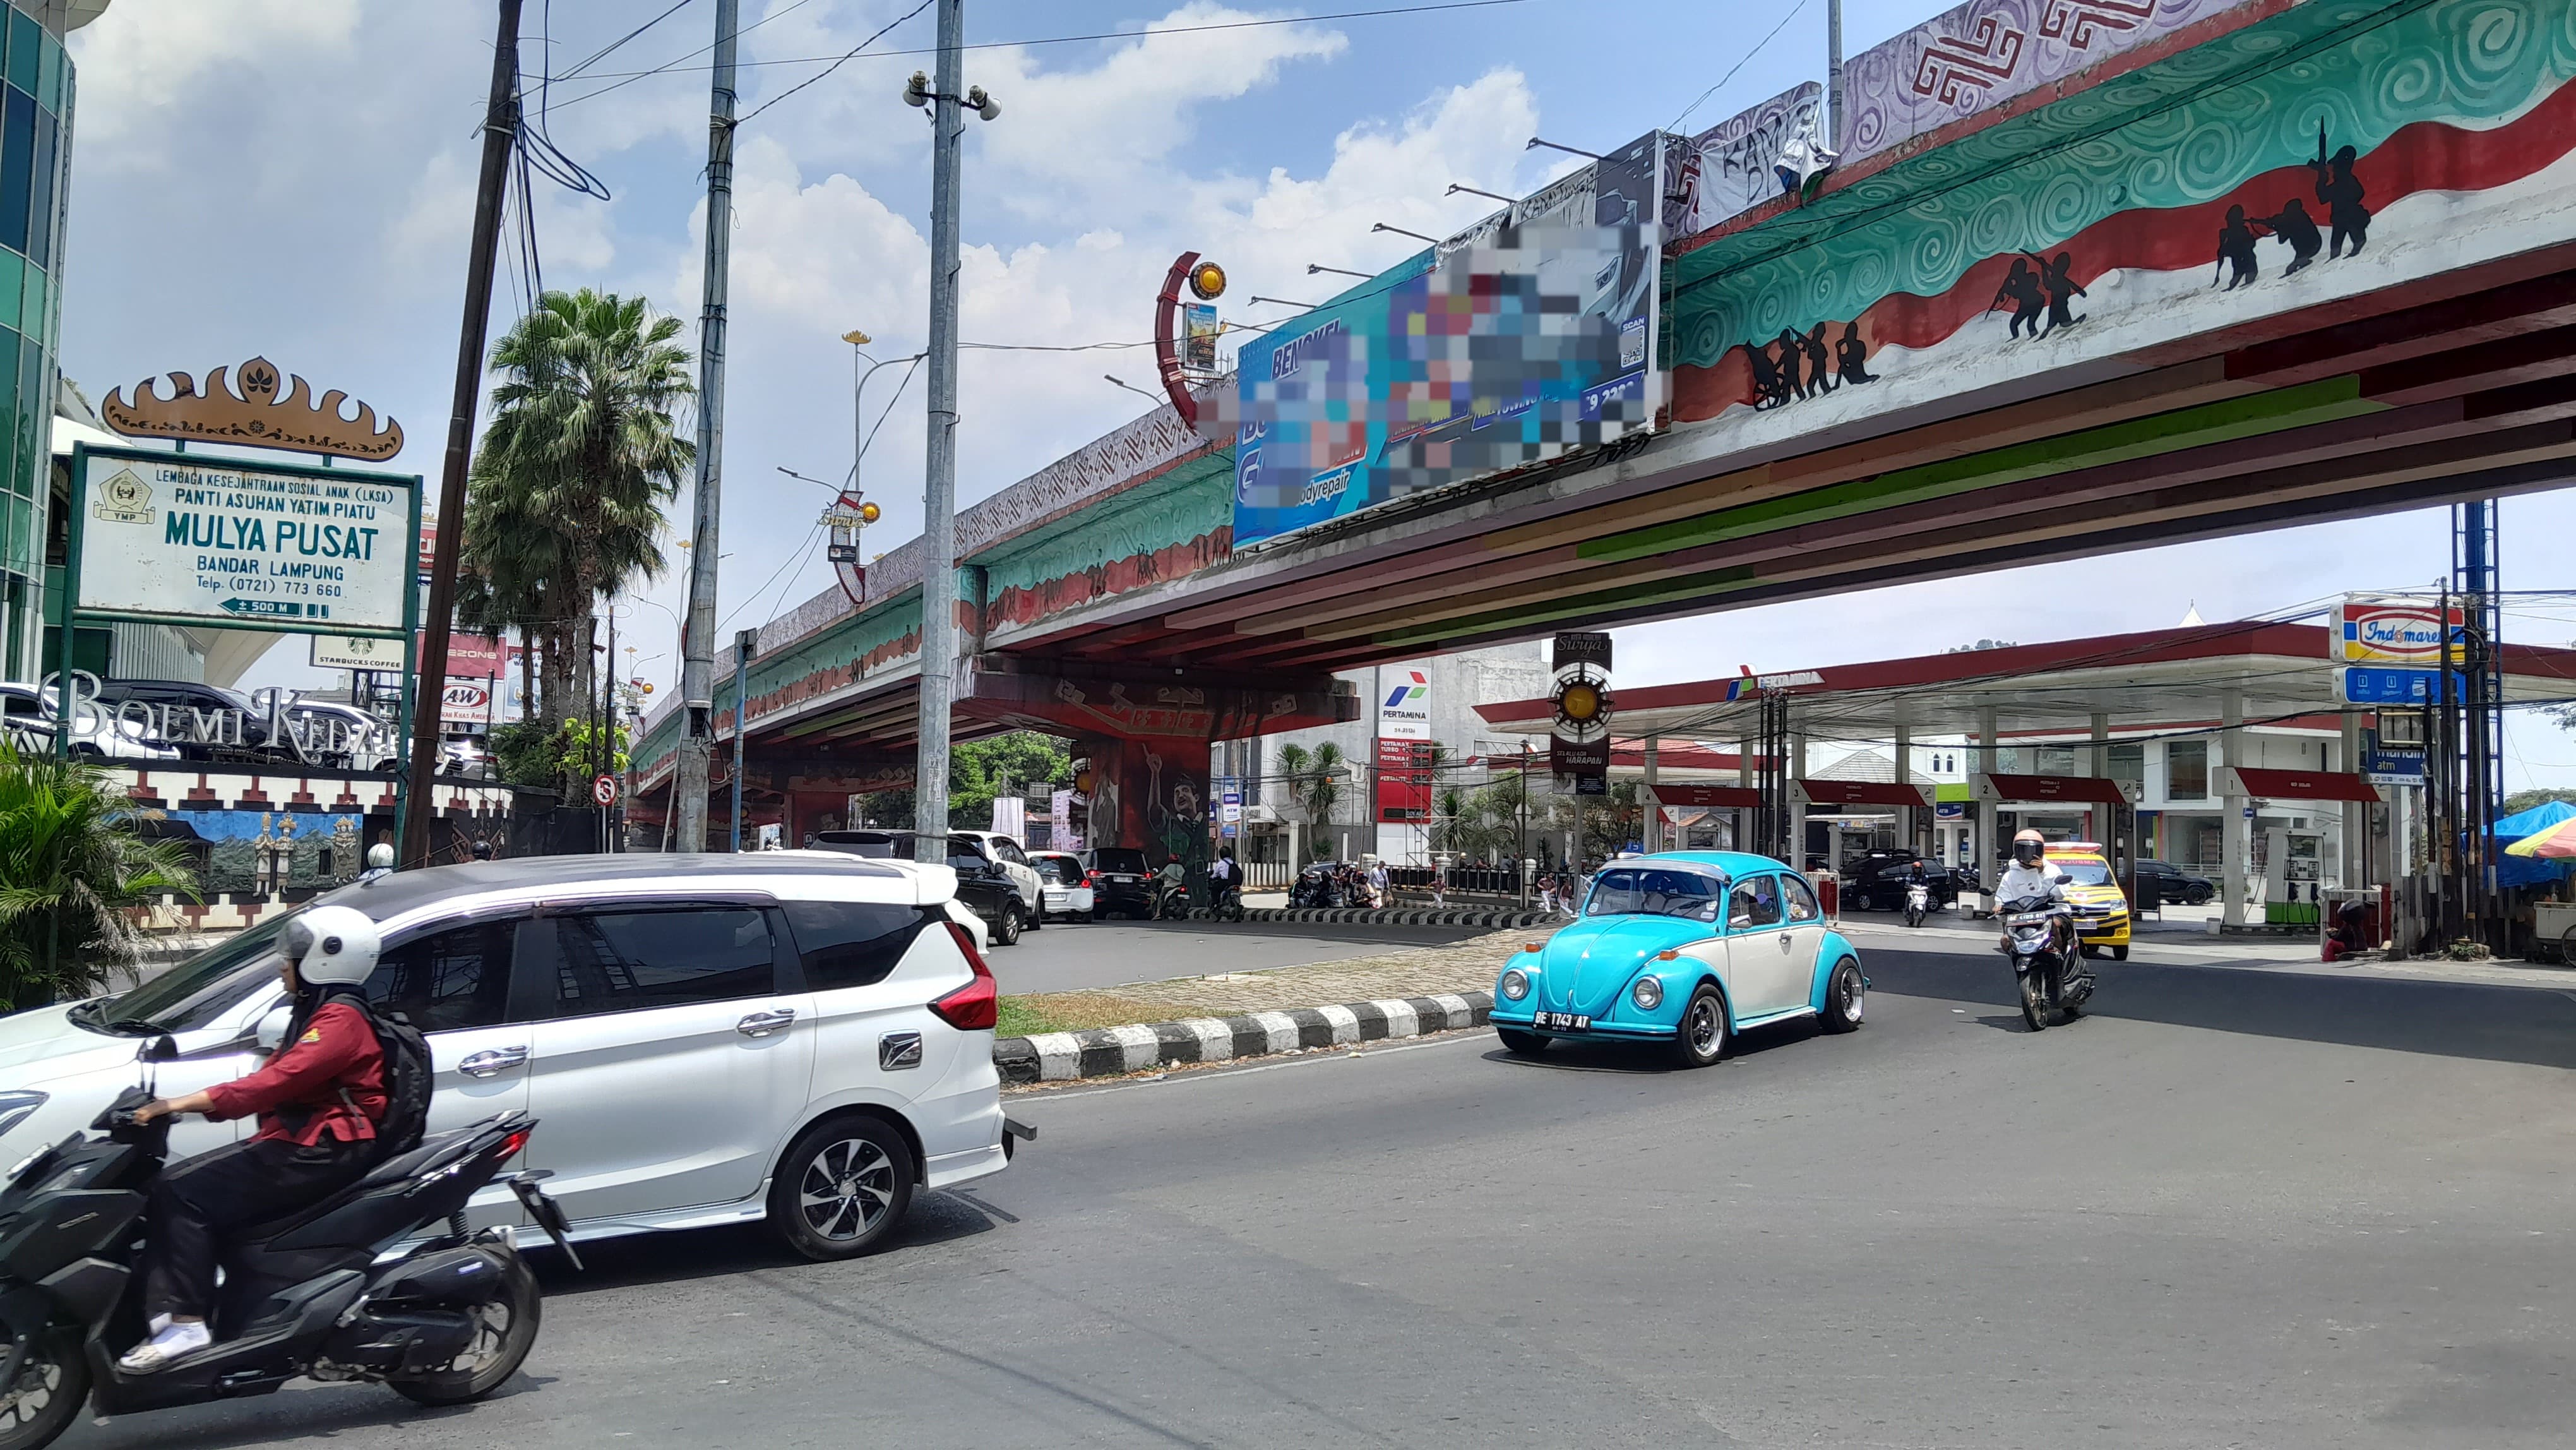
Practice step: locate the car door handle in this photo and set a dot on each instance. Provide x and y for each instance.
(493, 1063)
(761, 1024)
(1784, 939)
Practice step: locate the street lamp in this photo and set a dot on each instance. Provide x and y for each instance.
(1314, 267)
(1131, 387)
(1401, 232)
(1457, 187)
(1535, 143)
(1284, 302)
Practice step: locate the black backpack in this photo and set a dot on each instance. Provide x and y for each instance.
(408, 1075)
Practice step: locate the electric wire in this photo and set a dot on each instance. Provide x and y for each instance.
(846, 56)
(1739, 65)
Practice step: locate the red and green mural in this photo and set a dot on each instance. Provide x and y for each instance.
(2255, 165)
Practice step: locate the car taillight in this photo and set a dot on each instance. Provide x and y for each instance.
(1091, 879)
(977, 1006)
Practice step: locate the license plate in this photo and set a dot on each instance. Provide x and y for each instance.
(1564, 1021)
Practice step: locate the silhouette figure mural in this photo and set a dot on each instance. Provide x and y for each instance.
(1770, 389)
(1798, 365)
(2057, 279)
(1793, 361)
(1853, 353)
(2297, 230)
(2021, 289)
(2235, 251)
(2341, 192)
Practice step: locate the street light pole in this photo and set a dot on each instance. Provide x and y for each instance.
(698, 636)
(938, 676)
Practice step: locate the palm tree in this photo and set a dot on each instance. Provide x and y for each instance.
(1312, 782)
(582, 453)
(72, 866)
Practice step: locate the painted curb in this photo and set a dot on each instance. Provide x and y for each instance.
(1487, 917)
(1110, 1051)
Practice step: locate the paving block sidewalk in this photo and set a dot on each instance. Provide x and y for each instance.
(1243, 1014)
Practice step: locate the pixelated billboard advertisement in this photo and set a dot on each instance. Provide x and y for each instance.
(1529, 337)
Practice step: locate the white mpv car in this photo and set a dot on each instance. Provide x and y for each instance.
(800, 1036)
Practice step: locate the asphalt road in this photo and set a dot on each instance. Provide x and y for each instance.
(1079, 955)
(2231, 1209)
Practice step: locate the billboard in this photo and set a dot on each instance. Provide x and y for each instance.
(1726, 169)
(1403, 782)
(184, 539)
(1529, 337)
(1404, 706)
(475, 656)
(2375, 631)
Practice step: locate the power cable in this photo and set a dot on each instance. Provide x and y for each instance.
(1739, 65)
(836, 65)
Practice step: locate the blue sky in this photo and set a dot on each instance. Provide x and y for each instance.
(293, 178)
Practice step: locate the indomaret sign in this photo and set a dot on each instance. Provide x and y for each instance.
(171, 537)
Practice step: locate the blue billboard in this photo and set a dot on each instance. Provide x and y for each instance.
(1528, 338)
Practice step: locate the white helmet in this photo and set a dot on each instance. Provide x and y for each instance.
(332, 946)
(380, 857)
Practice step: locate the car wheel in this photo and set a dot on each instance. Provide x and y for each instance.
(1845, 995)
(1701, 1039)
(1521, 1044)
(2119, 954)
(1006, 932)
(841, 1186)
(2197, 896)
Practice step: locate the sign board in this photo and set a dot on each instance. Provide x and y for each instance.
(1864, 793)
(2405, 632)
(2293, 785)
(357, 652)
(2383, 765)
(1229, 809)
(466, 702)
(2378, 685)
(604, 790)
(1579, 740)
(1666, 793)
(1403, 781)
(2047, 789)
(179, 538)
(1531, 336)
(1404, 713)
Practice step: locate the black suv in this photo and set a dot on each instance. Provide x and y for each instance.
(2163, 881)
(982, 884)
(1121, 882)
(1876, 882)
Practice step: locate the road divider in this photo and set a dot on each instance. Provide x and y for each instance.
(1488, 918)
(1142, 1047)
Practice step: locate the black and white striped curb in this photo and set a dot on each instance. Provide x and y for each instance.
(1109, 1051)
(1490, 918)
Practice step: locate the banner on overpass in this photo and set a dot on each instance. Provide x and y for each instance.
(1528, 337)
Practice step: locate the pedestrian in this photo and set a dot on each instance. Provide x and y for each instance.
(1547, 895)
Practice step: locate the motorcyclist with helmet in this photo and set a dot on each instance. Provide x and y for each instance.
(2033, 874)
(318, 1099)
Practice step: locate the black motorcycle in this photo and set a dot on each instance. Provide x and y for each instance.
(2039, 941)
(1229, 900)
(1171, 900)
(1315, 886)
(446, 1323)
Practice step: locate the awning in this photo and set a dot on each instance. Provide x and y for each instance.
(1863, 793)
(2297, 785)
(2050, 789)
(1667, 793)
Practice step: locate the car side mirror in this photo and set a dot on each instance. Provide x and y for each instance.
(1738, 923)
(270, 1033)
(163, 1048)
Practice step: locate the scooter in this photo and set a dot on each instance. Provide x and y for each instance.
(1918, 902)
(1229, 901)
(1171, 903)
(2050, 976)
(306, 1295)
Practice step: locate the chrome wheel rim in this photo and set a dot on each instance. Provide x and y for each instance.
(492, 1322)
(1850, 992)
(1701, 1027)
(846, 1190)
(27, 1400)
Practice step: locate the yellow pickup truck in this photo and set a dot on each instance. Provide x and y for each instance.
(2101, 911)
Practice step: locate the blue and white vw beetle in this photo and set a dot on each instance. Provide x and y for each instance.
(1684, 948)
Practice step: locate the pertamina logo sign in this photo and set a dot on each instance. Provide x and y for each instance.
(2392, 632)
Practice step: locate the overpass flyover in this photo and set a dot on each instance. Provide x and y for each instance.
(2093, 275)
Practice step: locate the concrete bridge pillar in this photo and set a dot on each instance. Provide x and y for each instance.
(1146, 791)
(2237, 830)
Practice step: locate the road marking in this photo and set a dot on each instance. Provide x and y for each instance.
(1210, 1075)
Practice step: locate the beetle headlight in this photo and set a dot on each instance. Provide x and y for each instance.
(17, 1107)
(1515, 984)
(1649, 993)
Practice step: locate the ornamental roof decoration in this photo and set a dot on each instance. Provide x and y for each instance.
(256, 417)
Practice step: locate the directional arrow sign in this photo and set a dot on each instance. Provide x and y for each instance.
(270, 608)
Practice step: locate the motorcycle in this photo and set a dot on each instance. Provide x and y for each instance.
(305, 1295)
(1171, 900)
(2038, 941)
(1229, 901)
(1918, 902)
(1314, 887)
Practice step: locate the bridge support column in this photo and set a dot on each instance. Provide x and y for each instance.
(1908, 826)
(1149, 792)
(1654, 823)
(1984, 856)
(1744, 748)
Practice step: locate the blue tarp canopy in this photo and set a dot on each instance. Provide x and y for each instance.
(2523, 871)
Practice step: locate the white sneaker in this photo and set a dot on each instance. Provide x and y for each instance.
(170, 1343)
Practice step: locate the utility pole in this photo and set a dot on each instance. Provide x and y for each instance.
(744, 642)
(939, 488)
(1834, 76)
(500, 132)
(698, 633)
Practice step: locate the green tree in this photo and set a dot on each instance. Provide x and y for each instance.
(2523, 800)
(979, 770)
(72, 866)
(568, 489)
(1314, 785)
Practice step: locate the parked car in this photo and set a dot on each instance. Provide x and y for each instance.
(1120, 880)
(1682, 949)
(30, 715)
(2163, 881)
(1064, 890)
(343, 737)
(1877, 881)
(797, 1037)
(1014, 861)
(984, 884)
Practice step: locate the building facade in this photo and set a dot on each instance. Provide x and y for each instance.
(35, 169)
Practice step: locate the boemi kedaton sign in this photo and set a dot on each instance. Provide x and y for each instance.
(176, 537)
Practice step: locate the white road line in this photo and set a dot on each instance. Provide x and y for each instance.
(1312, 1060)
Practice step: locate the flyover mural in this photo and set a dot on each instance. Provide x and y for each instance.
(2314, 135)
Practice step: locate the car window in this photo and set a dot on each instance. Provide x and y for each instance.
(965, 854)
(448, 980)
(1645, 891)
(2084, 873)
(207, 985)
(1009, 850)
(1062, 870)
(626, 961)
(1801, 901)
(1755, 903)
(1119, 858)
(852, 943)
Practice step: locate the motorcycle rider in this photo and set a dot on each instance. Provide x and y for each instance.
(2033, 874)
(1169, 882)
(318, 1099)
(1222, 875)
